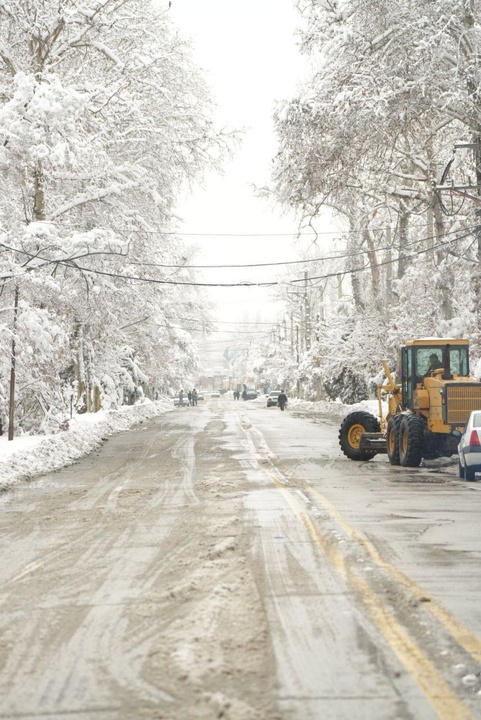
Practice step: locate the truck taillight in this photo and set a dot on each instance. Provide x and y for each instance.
(474, 439)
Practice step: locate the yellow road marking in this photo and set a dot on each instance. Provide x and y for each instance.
(439, 693)
(464, 637)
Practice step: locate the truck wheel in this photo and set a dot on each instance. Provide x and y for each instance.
(392, 439)
(353, 426)
(411, 439)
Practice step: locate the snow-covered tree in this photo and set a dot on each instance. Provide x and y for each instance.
(394, 86)
(103, 120)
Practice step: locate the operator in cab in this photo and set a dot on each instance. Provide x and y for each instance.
(434, 364)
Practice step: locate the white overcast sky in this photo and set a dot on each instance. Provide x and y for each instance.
(249, 55)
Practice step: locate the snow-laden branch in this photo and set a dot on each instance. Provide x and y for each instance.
(95, 196)
(108, 52)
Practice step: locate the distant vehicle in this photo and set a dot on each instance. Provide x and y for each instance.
(272, 398)
(250, 394)
(200, 396)
(469, 448)
(215, 394)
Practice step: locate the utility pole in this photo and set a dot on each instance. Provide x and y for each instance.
(339, 286)
(322, 315)
(11, 407)
(388, 262)
(297, 360)
(307, 310)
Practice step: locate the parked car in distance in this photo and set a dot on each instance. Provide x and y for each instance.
(469, 448)
(200, 396)
(272, 398)
(250, 394)
(215, 394)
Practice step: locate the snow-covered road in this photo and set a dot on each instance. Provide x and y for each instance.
(227, 561)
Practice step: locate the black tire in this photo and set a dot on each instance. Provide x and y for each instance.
(411, 440)
(392, 439)
(469, 473)
(460, 470)
(352, 427)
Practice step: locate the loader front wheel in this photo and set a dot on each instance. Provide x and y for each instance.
(392, 439)
(353, 426)
(411, 440)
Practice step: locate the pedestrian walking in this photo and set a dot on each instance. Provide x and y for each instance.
(181, 398)
(194, 397)
(282, 400)
(189, 397)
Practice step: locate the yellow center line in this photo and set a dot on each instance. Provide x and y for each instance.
(464, 637)
(439, 693)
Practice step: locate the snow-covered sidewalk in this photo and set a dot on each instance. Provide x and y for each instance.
(28, 455)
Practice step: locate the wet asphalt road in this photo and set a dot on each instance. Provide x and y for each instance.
(227, 561)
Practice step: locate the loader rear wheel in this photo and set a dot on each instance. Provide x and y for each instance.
(353, 426)
(392, 439)
(411, 439)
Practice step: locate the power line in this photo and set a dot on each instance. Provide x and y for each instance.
(292, 262)
(184, 266)
(264, 284)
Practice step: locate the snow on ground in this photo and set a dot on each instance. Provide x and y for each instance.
(334, 410)
(28, 455)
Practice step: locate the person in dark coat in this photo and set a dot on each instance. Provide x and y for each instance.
(282, 400)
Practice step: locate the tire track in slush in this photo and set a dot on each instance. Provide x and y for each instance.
(183, 451)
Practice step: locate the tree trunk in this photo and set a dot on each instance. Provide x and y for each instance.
(403, 242)
(39, 196)
(438, 228)
(473, 89)
(374, 266)
(353, 262)
(477, 269)
(388, 258)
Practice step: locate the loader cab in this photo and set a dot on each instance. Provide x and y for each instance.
(420, 359)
